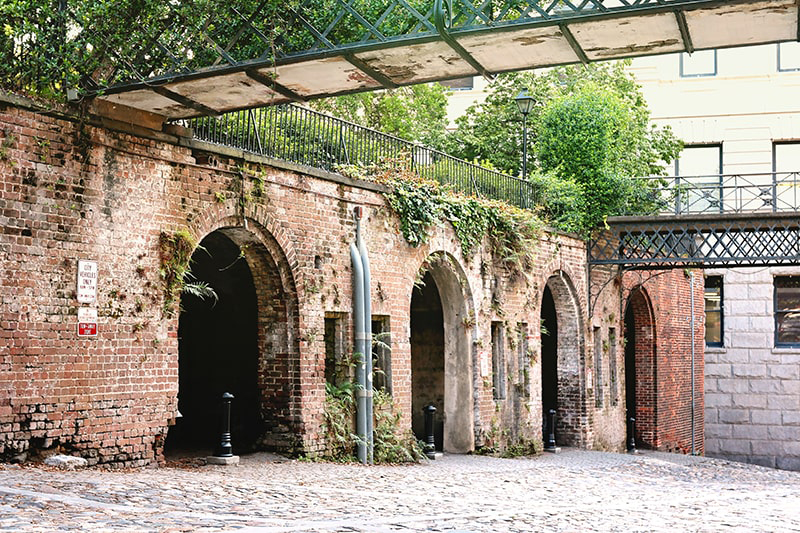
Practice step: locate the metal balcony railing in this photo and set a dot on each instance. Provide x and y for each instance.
(768, 192)
(300, 135)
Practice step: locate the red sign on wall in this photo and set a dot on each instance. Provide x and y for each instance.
(87, 329)
(87, 322)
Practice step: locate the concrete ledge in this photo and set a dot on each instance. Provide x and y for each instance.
(223, 461)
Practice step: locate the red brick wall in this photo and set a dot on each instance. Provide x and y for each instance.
(662, 303)
(72, 191)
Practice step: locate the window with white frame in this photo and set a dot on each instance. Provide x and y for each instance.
(698, 171)
(782, 191)
(459, 84)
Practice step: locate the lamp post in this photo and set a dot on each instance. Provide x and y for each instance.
(525, 103)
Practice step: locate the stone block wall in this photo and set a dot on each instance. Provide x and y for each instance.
(752, 388)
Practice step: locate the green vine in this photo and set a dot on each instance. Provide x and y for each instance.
(420, 204)
(391, 445)
(175, 253)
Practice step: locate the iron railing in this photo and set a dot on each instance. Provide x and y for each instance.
(300, 135)
(728, 193)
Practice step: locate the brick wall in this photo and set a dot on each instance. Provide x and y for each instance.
(661, 304)
(73, 190)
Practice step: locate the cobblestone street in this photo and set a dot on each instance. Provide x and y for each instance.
(571, 491)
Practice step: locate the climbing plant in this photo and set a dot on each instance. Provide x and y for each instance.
(391, 444)
(175, 254)
(421, 204)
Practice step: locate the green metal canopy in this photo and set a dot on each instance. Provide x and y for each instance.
(254, 55)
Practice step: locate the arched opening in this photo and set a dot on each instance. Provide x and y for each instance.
(218, 351)
(549, 331)
(441, 358)
(427, 358)
(640, 370)
(562, 362)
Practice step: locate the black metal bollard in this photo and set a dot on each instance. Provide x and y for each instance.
(551, 435)
(430, 443)
(631, 437)
(225, 448)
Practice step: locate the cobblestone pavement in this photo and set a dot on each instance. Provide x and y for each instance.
(571, 491)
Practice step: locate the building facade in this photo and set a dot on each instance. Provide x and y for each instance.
(102, 356)
(737, 111)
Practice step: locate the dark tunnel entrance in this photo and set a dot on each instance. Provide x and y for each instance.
(549, 325)
(218, 352)
(427, 358)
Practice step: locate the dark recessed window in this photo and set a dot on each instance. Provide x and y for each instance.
(498, 362)
(713, 297)
(787, 311)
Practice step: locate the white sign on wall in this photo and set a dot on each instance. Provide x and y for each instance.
(87, 281)
(485, 360)
(87, 322)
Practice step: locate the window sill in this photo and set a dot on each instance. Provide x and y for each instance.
(786, 349)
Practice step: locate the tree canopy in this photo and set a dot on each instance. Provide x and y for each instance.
(589, 135)
(414, 113)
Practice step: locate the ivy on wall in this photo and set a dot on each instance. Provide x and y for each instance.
(422, 204)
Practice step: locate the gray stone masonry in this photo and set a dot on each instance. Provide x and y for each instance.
(752, 389)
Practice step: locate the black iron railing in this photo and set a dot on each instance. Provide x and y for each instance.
(728, 193)
(300, 135)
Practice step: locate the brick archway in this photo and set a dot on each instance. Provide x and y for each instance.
(276, 325)
(640, 368)
(569, 357)
(442, 355)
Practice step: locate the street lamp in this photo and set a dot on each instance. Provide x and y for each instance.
(525, 104)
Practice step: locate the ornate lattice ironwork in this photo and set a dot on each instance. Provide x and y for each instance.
(177, 39)
(750, 239)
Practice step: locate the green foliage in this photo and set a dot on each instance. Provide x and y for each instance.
(390, 444)
(521, 448)
(339, 421)
(587, 138)
(175, 254)
(413, 113)
(420, 204)
(600, 174)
